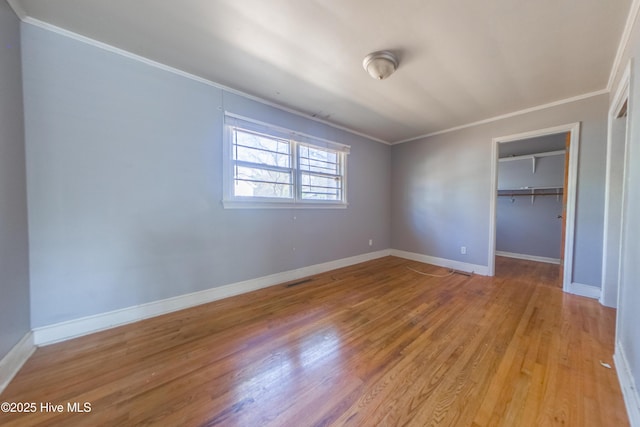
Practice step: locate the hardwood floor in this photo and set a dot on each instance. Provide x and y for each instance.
(372, 344)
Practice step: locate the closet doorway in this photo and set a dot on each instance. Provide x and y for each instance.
(533, 199)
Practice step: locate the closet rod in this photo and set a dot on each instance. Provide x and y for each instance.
(529, 195)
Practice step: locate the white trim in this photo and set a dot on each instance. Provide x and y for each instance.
(296, 140)
(248, 123)
(628, 386)
(624, 41)
(571, 195)
(13, 361)
(493, 203)
(441, 262)
(588, 291)
(574, 151)
(621, 96)
(539, 132)
(622, 265)
(255, 203)
(528, 257)
(622, 92)
(168, 68)
(78, 327)
(508, 115)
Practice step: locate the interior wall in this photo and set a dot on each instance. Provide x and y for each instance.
(442, 187)
(614, 223)
(628, 333)
(14, 262)
(124, 166)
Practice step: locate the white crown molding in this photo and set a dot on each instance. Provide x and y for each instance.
(624, 41)
(13, 361)
(482, 270)
(628, 386)
(104, 46)
(86, 325)
(508, 115)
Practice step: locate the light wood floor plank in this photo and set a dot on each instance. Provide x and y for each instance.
(371, 344)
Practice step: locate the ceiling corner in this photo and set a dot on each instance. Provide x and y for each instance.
(624, 40)
(18, 9)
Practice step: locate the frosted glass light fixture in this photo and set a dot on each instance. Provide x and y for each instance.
(380, 65)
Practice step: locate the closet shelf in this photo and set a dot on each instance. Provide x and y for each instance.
(530, 188)
(529, 195)
(533, 157)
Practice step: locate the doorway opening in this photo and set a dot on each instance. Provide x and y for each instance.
(521, 148)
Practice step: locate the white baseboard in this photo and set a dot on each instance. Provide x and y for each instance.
(629, 390)
(78, 327)
(482, 270)
(580, 289)
(588, 291)
(528, 257)
(13, 361)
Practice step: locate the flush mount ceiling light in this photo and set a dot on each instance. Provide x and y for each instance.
(380, 65)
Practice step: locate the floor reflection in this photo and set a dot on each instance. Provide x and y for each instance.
(293, 366)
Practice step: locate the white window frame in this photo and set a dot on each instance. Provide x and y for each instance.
(295, 139)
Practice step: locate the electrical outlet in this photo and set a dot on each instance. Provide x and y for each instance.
(370, 242)
(463, 250)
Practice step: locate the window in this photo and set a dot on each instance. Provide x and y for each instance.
(266, 166)
(261, 166)
(320, 173)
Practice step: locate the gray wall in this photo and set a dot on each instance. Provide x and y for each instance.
(628, 333)
(442, 187)
(529, 229)
(538, 144)
(124, 167)
(514, 174)
(14, 263)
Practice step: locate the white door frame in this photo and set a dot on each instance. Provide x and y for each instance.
(621, 96)
(574, 149)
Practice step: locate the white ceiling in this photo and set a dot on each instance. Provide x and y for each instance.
(461, 61)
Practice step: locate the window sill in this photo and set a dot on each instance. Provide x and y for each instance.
(253, 204)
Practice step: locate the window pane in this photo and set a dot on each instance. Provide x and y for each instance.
(318, 160)
(255, 148)
(257, 182)
(317, 187)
